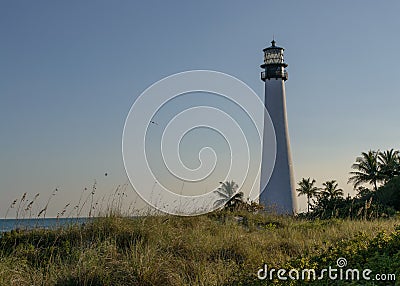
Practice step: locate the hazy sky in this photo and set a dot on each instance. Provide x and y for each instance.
(70, 71)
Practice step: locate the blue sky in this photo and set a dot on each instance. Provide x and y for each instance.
(71, 70)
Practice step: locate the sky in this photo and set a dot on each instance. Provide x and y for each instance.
(71, 70)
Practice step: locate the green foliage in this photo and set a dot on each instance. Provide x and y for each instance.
(367, 169)
(380, 254)
(372, 167)
(365, 207)
(389, 164)
(230, 197)
(221, 248)
(233, 200)
(389, 194)
(331, 191)
(375, 167)
(307, 188)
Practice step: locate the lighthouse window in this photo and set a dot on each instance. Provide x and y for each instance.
(273, 57)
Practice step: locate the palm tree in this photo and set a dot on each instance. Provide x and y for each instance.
(331, 191)
(229, 194)
(307, 188)
(367, 170)
(389, 164)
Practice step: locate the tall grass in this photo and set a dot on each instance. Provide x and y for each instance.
(220, 248)
(166, 250)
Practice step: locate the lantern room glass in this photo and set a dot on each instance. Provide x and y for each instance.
(273, 56)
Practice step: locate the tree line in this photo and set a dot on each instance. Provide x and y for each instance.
(375, 177)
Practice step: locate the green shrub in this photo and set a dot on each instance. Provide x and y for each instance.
(389, 194)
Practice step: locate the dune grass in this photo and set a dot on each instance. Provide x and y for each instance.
(220, 248)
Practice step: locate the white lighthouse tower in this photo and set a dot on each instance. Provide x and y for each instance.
(279, 193)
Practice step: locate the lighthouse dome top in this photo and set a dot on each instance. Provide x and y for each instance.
(273, 55)
(273, 47)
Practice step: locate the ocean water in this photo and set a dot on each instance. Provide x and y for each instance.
(43, 223)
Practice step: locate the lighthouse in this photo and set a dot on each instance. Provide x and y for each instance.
(279, 193)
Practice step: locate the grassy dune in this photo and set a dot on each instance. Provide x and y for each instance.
(214, 249)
